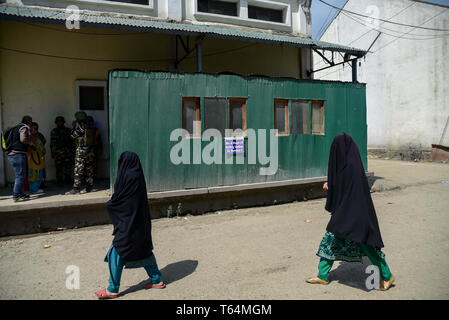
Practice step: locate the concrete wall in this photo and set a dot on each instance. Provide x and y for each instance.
(295, 20)
(44, 87)
(407, 79)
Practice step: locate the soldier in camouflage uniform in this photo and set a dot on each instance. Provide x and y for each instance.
(84, 136)
(61, 146)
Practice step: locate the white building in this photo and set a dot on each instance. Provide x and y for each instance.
(406, 70)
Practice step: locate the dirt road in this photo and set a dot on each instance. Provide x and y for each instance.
(255, 253)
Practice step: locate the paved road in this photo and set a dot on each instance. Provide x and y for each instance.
(254, 253)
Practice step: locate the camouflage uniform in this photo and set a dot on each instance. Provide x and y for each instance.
(84, 136)
(62, 150)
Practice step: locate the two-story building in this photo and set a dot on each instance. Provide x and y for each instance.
(56, 58)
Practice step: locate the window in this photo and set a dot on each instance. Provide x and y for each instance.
(215, 114)
(191, 113)
(218, 7)
(265, 14)
(91, 97)
(317, 117)
(144, 2)
(281, 116)
(300, 117)
(237, 114)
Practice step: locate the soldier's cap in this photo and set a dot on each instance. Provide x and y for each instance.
(27, 119)
(59, 118)
(80, 115)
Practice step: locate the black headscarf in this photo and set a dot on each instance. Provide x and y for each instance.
(348, 198)
(129, 210)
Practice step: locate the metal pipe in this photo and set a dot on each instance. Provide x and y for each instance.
(199, 62)
(354, 70)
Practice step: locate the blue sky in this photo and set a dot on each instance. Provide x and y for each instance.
(322, 14)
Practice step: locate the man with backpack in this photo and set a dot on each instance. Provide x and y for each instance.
(16, 142)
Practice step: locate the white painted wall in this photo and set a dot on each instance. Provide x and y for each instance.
(407, 80)
(295, 20)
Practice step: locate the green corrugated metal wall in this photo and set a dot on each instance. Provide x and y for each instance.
(145, 107)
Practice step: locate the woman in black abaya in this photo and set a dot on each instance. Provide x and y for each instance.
(353, 230)
(129, 211)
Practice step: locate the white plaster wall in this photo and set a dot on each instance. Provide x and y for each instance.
(407, 81)
(179, 10)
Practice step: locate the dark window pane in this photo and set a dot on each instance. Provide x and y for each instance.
(300, 117)
(215, 114)
(189, 115)
(236, 115)
(265, 14)
(280, 116)
(91, 98)
(317, 118)
(145, 2)
(218, 7)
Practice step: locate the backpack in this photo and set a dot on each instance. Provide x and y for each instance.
(7, 138)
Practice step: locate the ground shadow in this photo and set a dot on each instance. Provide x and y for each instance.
(351, 274)
(170, 273)
(52, 189)
(372, 180)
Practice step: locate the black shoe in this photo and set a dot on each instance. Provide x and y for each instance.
(25, 196)
(73, 191)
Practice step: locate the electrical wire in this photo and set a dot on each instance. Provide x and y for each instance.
(384, 20)
(325, 21)
(425, 37)
(396, 38)
(396, 14)
(428, 37)
(86, 33)
(120, 61)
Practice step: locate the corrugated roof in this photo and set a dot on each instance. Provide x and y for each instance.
(44, 14)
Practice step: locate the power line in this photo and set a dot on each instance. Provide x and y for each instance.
(325, 21)
(396, 38)
(384, 20)
(396, 14)
(85, 33)
(410, 30)
(428, 37)
(116, 60)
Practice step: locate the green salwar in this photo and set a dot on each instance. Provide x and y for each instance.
(333, 249)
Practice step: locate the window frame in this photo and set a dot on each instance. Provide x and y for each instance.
(197, 101)
(237, 7)
(256, 7)
(309, 115)
(322, 132)
(287, 116)
(203, 120)
(229, 125)
(149, 6)
(91, 83)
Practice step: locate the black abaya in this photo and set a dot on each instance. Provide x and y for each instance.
(349, 199)
(129, 210)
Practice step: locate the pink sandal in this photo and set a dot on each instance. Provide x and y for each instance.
(103, 294)
(159, 285)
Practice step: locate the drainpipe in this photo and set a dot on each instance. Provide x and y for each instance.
(354, 70)
(199, 62)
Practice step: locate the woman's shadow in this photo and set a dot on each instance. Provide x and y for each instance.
(170, 273)
(352, 274)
